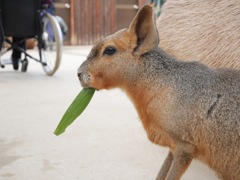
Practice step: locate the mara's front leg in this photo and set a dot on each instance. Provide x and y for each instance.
(182, 158)
(165, 167)
(177, 162)
(181, 161)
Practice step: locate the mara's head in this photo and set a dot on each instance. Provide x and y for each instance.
(113, 59)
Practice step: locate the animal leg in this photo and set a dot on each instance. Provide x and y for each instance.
(181, 161)
(165, 167)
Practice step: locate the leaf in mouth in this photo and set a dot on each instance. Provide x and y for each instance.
(75, 109)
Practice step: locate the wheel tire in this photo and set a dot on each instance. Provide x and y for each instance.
(50, 67)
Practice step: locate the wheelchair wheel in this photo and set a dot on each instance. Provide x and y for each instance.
(51, 50)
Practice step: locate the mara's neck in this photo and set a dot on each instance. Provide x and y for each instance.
(140, 96)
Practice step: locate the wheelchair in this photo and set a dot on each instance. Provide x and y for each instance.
(29, 19)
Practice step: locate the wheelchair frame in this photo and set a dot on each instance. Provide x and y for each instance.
(37, 29)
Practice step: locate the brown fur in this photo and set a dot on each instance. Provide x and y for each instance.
(204, 30)
(186, 106)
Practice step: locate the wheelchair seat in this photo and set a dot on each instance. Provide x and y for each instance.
(19, 18)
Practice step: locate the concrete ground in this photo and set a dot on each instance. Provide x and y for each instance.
(107, 142)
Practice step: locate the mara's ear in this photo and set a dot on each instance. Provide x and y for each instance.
(143, 27)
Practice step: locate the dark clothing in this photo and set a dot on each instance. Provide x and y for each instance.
(21, 43)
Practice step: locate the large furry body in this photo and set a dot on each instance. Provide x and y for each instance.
(194, 104)
(205, 30)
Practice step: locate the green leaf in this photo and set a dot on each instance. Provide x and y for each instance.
(75, 109)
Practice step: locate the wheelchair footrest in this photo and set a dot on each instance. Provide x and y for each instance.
(6, 61)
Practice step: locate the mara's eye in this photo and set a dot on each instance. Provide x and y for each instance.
(110, 50)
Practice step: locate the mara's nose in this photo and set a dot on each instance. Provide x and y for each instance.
(84, 79)
(79, 75)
